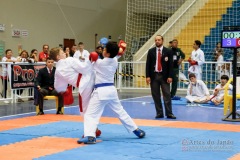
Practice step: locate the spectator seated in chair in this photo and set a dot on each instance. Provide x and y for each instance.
(45, 86)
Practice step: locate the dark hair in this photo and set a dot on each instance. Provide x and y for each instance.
(191, 75)
(99, 47)
(7, 51)
(112, 48)
(64, 49)
(170, 42)
(49, 58)
(198, 43)
(225, 77)
(80, 43)
(33, 50)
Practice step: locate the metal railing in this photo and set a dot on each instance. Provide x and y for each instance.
(131, 76)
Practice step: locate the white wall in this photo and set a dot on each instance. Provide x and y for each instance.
(47, 23)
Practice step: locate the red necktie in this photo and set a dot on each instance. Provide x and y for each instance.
(159, 60)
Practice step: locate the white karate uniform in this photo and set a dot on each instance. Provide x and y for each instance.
(197, 55)
(105, 96)
(219, 66)
(67, 72)
(221, 92)
(198, 91)
(84, 54)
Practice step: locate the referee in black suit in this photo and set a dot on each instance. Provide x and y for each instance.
(159, 69)
(45, 86)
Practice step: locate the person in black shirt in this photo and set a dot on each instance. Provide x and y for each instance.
(178, 57)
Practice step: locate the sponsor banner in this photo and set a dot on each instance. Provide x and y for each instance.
(23, 75)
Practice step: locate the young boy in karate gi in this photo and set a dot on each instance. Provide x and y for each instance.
(197, 90)
(218, 94)
(71, 71)
(196, 60)
(76, 73)
(105, 94)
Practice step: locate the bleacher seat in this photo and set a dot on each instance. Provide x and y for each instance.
(215, 33)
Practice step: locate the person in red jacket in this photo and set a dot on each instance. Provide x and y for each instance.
(44, 54)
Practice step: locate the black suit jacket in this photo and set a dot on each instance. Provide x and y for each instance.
(44, 79)
(167, 63)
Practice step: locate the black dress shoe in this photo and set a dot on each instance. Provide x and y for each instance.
(59, 112)
(171, 116)
(159, 116)
(40, 113)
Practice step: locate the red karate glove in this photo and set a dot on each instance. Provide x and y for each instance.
(193, 62)
(93, 57)
(122, 47)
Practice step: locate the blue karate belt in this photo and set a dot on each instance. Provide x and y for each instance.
(103, 85)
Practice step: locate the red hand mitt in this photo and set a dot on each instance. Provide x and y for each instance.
(122, 47)
(68, 96)
(93, 57)
(193, 62)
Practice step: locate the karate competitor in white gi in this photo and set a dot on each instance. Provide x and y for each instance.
(197, 90)
(78, 74)
(218, 95)
(196, 60)
(81, 54)
(105, 94)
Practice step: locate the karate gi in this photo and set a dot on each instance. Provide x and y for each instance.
(221, 92)
(67, 72)
(198, 91)
(84, 54)
(197, 55)
(105, 96)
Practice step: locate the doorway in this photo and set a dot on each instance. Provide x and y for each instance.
(68, 42)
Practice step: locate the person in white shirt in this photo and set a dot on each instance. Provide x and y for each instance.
(196, 60)
(197, 90)
(81, 54)
(8, 58)
(105, 94)
(225, 70)
(218, 94)
(219, 64)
